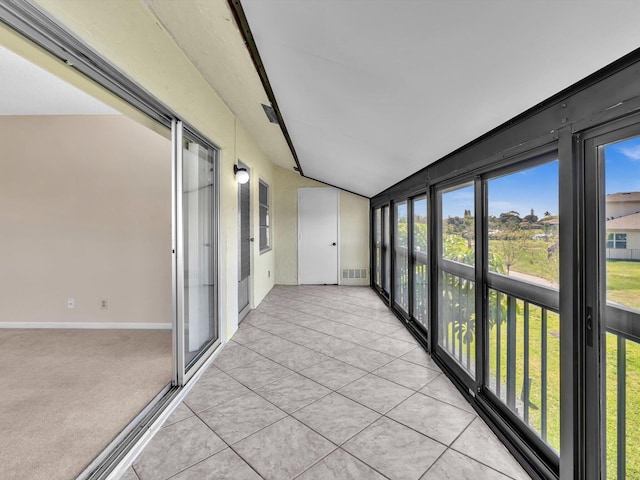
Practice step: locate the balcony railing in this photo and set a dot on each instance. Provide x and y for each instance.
(456, 313)
(524, 356)
(621, 392)
(420, 280)
(421, 288)
(401, 293)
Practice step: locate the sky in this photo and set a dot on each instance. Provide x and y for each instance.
(622, 166)
(537, 187)
(521, 191)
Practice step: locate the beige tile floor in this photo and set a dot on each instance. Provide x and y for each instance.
(324, 383)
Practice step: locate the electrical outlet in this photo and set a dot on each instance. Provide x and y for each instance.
(104, 304)
(71, 303)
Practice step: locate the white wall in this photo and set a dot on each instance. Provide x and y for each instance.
(85, 210)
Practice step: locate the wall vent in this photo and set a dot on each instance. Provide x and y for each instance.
(270, 113)
(354, 273)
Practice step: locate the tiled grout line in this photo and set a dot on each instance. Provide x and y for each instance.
(357, 344)
(435, 461)
(334, 296)
(135, 472)
(334, 451)
(329, 356)
(332, 304)
(361, 404)
(447, 447)
(469, 456)
(368, 317)
(381, 415)
(367, 372)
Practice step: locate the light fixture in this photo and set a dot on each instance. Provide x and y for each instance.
(241, 173)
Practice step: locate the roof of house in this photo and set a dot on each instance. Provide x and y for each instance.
(626, 222)
(623, 197)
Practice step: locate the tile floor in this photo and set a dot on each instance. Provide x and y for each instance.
(324, 383)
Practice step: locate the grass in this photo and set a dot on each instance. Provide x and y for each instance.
(623, 283)
(532, 259)
(623, 287)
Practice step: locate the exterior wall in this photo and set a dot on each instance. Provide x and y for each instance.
(354, 227)
(619, 209)
(633, 238)
(85, 207)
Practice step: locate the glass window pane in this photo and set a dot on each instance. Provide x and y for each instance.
(620, 247)
(421, 272)
(387, 249)
(524, 337)
(198, 231)
(377, 229)
(401, 243)
(265, 240)
(458, 235)
(456, 304)
(523, 225)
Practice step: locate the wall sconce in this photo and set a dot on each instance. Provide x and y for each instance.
(241, 173)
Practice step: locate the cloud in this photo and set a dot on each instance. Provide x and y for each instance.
(632, 152)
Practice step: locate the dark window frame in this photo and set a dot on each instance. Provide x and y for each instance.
(264, 222)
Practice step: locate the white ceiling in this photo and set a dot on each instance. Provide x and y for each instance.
(26, 89)
(372, 91)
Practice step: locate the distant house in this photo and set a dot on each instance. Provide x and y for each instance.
(623, 225)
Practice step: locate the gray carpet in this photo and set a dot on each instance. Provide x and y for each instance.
(67, 393)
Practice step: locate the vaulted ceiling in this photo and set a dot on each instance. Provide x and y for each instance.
(372, 91)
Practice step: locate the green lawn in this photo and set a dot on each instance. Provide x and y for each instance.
(623, 284)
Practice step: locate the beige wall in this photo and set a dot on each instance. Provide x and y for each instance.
(127, 35)
(85, 209)
(354, 227)
(130, 38)
(619, 209)
(263, 264)
(354, 235)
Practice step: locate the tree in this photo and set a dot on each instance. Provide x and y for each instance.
(512, 242)
(509, 220)
(531, 218)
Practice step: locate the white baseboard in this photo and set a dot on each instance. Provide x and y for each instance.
(88, 325)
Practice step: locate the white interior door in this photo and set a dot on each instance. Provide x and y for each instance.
(318, 236)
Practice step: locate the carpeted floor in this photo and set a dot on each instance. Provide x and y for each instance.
(65, 394)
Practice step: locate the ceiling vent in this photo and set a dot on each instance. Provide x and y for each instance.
(270, 113)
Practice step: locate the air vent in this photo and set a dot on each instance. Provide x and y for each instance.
(351, 273)
(270, 112)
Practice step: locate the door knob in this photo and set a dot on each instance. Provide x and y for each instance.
(251, 239)
(333, 244)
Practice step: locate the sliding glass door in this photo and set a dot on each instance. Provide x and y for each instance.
(386, 252)
(377, 248)
(456, 262)
(522, 258)
(196, 251)
(420, 260)
(401, 257)
(613, 328)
